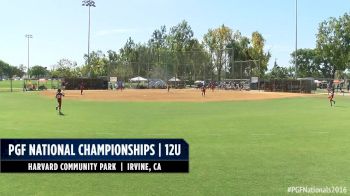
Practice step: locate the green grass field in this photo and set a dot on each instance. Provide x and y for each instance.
(236, 148)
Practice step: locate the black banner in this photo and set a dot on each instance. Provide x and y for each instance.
(94, 155)
(95, 166)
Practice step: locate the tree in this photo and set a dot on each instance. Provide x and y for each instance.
(217, 41)
(278, 72)
(128, 55)
(180, 36)
(240, 51)
(38, 71)
(21, 70)
(257, 53)
(158, 41)
(179, 41)
(8, 70)
(3, 68)
(198, 61)
(307, 63)
(333, 45)
(97, 66)
(15, 71)
(291, 71)
(175, 52)
(65, 68)
(112, 62)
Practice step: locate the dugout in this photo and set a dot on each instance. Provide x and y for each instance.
(301, 85)
(89, 83)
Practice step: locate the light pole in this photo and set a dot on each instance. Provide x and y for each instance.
(88, 3)
(28, 36)
(296, 38)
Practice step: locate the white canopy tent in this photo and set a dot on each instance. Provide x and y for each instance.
(138, 79)
(174, 79)
(199, 82)
(317, 81)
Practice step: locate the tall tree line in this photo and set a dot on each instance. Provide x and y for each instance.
(172, 52)
(331, 56)
(9, 71)
(175, 52)
(222, 53)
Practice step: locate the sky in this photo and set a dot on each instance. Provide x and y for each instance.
(60, 27)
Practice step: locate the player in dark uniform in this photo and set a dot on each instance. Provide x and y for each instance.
(121, 85)
(81, 88)
(331, 97)
(203, 91)
(59, 96)
(212, 86)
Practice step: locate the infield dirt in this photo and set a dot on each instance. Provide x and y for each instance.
(174, 95)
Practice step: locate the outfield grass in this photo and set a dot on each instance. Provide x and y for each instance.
(236, 148)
